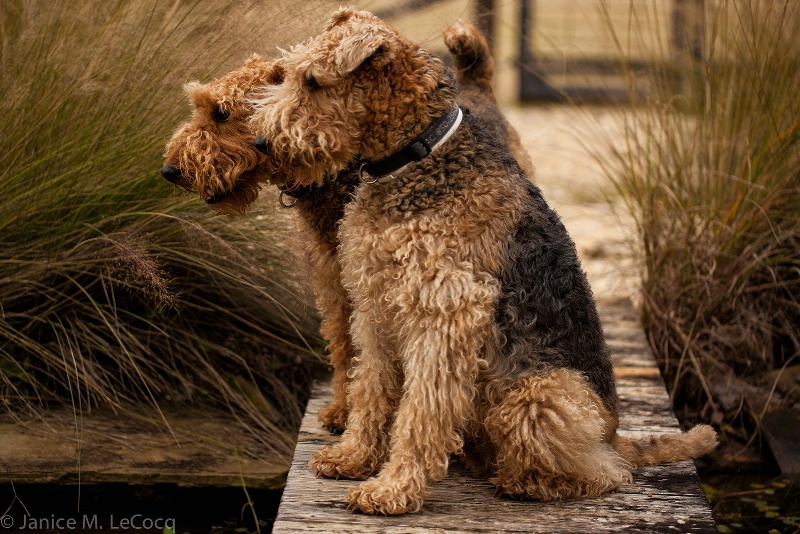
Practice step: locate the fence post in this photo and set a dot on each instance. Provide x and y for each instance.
(688, 45)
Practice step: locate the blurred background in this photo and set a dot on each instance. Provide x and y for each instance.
(665, 132)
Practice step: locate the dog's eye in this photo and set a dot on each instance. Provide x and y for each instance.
(312, 83)
(278, 74)
(220, 115)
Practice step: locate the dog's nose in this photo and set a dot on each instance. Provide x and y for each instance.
(213, 199)
(171, 173)
(262, 144)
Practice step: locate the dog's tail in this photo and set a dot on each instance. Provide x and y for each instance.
(474, 62)
(667, 448)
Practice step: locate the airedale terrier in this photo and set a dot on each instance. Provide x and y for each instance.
(475, 327)
(214, 154)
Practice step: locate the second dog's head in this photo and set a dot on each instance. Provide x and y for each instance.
(213, 154)
(357, 89)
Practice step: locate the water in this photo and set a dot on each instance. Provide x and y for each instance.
(753, 503)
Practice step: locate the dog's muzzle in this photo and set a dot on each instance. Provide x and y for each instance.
(171, 173)
(262, 144)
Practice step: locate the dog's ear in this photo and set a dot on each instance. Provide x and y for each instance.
(201, 98)
(196, 92)
(339, 17)
(350, 51)
(253, 59)
(256, 71)
(355, 36)
(277, 73)
(357, 48)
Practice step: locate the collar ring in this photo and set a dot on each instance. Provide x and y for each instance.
(361, 173)
(284, 203)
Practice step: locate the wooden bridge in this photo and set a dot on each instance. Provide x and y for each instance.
(665, 498)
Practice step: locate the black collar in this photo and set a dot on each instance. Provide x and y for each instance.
(416, 149)
(295, 193)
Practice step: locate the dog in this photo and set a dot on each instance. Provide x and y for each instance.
(215, 154)
(475, 329)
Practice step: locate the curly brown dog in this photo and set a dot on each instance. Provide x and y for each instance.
(214, 154)
(475, 327)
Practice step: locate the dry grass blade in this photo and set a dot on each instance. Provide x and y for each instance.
(114, 291)
(710, 173)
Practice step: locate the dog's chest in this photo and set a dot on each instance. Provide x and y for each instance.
(383, 249)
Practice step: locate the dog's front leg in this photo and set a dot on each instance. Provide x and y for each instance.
(372, 396)
(333, 303)
(442, 335)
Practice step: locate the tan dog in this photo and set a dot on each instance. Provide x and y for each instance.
(214, 154)
(475, 328)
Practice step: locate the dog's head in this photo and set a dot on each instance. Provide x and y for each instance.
(213, 154)
(357, 89)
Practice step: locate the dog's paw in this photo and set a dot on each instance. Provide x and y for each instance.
(333, 418)
(333, 461)
(375, 497)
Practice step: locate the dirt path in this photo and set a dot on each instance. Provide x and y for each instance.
(560, 140)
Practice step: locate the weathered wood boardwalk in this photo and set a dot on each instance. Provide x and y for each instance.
(660, 499)
(200, 448)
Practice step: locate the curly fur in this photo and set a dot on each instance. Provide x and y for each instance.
(220, 161)
(205, 166)
(213, 153)
(476, 331)
(550, 438)
(342, 126)
(319, 211)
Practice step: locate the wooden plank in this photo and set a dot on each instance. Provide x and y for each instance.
(200, 448)
(661, 499)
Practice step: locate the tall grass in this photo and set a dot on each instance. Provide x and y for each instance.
(710, 170)
(115, 291)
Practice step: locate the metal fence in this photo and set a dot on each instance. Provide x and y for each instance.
(580, 50)
(588, 50)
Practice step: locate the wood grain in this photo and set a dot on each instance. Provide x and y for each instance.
(665, 498)
(198, 448)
